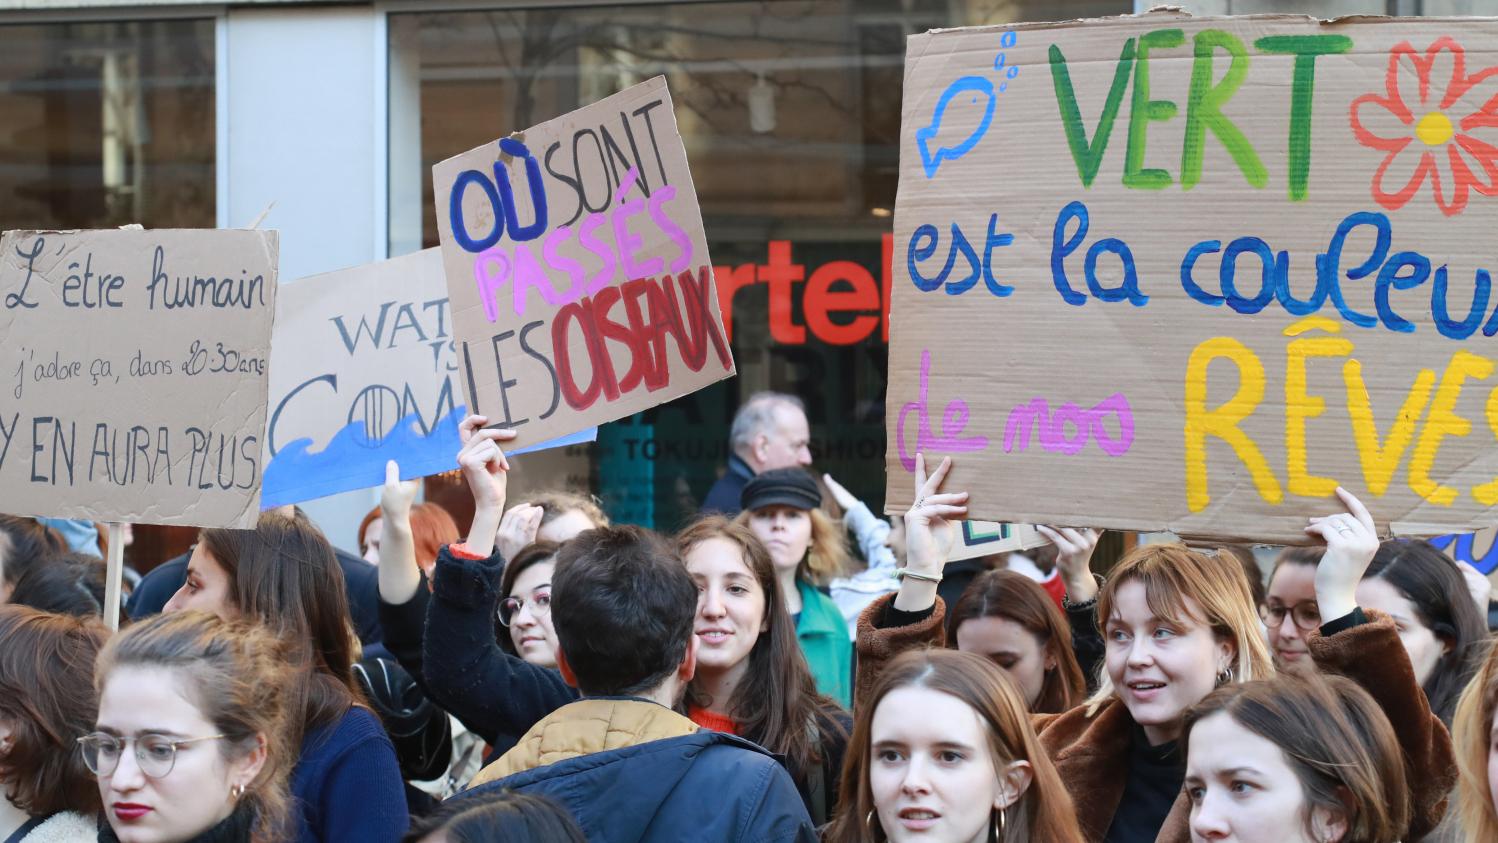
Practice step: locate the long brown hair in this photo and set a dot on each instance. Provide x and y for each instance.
(1171, 573)
(283, 574)
(48, 700)
(777, 703)
(1472, 734)
(1334, 737)
(1015, 597)
(1043, 813)
(239, 671)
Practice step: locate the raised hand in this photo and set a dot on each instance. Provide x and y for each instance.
(1351, 541)
(929, 534)
(397, 495)
(1073, 558)
(399, 574)
(929, 527)
(486, 470)
(517, 529)
(843, 497)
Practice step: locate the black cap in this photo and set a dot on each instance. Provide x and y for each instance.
(791, 487)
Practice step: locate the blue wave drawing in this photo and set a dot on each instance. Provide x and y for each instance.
(348, 462)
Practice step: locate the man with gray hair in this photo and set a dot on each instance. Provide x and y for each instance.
(769, 431)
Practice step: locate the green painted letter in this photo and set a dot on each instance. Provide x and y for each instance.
(1305, 48)
(1143, 109)
(1088, 155)
(1204, 111)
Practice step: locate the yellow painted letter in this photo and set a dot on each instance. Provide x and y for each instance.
(1380, 463)
(1300, 406)
(1442, 422)
(1223, 421)
(1487, 493)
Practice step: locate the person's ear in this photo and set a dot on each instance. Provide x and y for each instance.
(760, 448)
(688, 667)
(1014, 780)
(565, 669)
(1227, 654)
(248, 768)
(1329, 825)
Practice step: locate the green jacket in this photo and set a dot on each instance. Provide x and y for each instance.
(824, 641)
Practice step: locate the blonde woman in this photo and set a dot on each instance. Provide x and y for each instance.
(808, 550)
(1176, 625)
(1475, 731)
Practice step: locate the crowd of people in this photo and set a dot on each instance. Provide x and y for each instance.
(552, 676)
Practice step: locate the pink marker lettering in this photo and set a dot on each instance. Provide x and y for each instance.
(953, 422)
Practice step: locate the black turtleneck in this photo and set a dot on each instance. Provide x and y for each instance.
(1156, 774)
(236, 829)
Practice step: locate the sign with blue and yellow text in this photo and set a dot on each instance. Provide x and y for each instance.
(1192, 274)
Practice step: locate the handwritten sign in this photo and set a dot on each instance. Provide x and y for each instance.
(362, 372)
(577, 266)
(134, 367)
(1191, 274)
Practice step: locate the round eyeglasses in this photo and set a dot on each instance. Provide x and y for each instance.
(156, 755)
(511, 606)
(1306, 615)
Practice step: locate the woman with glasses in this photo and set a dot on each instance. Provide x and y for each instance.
(283, 575)
(191, 743)
(1415, 584)
(46, 699)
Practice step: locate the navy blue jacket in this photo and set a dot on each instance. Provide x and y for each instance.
(724, 496)
(704, 786)
(499, 697)
(347, 784)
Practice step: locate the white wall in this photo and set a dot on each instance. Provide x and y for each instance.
(304, 129)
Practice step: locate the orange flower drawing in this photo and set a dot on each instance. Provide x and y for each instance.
(1430, 124)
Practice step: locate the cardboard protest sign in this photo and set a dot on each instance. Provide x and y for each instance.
(1480, 549)
(135, 374)
(1190, 274)
(578, 270)
(362, 372)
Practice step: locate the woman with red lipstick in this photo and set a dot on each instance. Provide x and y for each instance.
(191, 743)
(752, 680)
(942, 750)
(1176, 625)
(283, 575)
(46, 698)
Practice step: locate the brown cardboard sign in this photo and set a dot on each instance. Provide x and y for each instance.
(135, 374)
(578, 271)
(1191, 274)
(362, 372)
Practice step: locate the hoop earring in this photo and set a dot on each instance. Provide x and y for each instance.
(996, 823)
(1225, 676)
(236, 792)
(875, 830)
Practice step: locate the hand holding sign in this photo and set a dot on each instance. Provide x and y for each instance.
(485, 468)
(1351, 541)
(1073, 556)
(929, 534)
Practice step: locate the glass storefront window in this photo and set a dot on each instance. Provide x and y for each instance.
(107, 124)
(790, 112)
